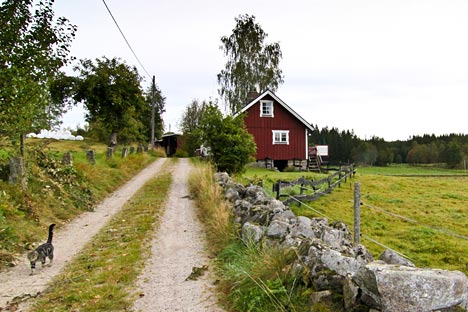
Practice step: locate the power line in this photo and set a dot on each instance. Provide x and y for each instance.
(384, 246)
(439, 229)
(362, 235)
(128, 44)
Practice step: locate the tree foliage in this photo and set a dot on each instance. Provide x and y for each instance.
(345, 146)
(252, 65)
(231, 145)
(33, 47)
(111, 91)
(190, 124)
(192, 116)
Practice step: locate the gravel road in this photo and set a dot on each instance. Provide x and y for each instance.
(68, 241)
(177, 248)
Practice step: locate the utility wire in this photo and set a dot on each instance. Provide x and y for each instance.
(439, 229)
(362, 235)
(314, 210)
(384, 246)
(128, 44)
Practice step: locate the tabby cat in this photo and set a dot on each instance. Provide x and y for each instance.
(42, 252)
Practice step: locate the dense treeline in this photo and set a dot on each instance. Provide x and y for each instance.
(345, 147)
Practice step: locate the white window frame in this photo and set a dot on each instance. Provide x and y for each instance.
(280, 134)
(269, 103)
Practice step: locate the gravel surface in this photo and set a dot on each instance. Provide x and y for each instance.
(166, 283)
(68, 241)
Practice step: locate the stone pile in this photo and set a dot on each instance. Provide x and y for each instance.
(389, 284)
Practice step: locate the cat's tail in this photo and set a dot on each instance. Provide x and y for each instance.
(51, 233)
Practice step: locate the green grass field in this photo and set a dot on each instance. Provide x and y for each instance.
(420, 212)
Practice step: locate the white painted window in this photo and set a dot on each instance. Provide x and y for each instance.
(266, 108)
(280, 137)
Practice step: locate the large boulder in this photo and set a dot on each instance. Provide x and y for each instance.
(342, 265)
(256, 195)
(251, 232)
(338, 237)
(278, 229)
(396, 288)
(302, 228)
(231, 194)
(222, 178)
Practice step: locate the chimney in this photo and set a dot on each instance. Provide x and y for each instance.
(252, 95)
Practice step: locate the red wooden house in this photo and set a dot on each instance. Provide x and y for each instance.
(279, 132)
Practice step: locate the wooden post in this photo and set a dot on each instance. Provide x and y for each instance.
(124, 152)
(153, 104)
(90, 156)
(357, 213)
(109, 153)
(278, 189)
(67, 159)
(301, 190)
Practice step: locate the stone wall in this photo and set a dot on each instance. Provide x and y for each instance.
(388, 284)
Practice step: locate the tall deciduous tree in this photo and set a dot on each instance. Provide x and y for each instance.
(113, 97)
(33, 47)
(191, 118)
(252, 65)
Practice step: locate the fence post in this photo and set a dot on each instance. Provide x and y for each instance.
(91, 157)
(357, 212)
(301, 190)
(278, 189)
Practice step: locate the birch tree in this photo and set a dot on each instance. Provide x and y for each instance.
(34, 45)
(252, 64)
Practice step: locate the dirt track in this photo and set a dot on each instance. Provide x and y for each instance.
(178, 247)
(72, 237)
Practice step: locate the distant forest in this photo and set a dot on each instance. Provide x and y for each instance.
(450, 150)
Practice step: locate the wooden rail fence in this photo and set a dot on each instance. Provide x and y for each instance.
(332, 181)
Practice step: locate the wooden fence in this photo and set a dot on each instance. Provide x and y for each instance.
(331, 182)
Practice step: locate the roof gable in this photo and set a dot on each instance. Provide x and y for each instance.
(278, 100)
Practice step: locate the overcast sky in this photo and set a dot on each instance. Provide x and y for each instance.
(392, 68)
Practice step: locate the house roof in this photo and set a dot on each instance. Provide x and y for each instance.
(277, 99)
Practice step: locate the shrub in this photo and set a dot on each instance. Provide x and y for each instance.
(232, 146)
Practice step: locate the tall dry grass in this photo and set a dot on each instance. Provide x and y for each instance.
(252, 277)
(213, 211)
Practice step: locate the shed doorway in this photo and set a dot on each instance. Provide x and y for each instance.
(280, 164)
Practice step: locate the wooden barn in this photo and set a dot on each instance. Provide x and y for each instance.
(280, 133)
(170, 142)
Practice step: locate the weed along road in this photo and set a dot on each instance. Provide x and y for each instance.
(177, 276)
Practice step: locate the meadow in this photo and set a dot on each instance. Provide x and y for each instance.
(420, 212)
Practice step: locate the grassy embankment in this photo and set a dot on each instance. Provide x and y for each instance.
(57, 193)
(430, 201)
(102, 276)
